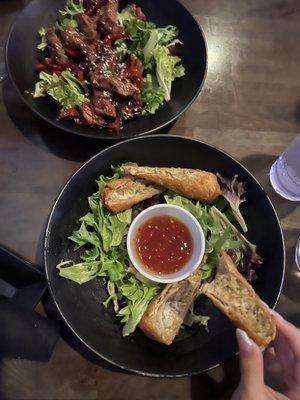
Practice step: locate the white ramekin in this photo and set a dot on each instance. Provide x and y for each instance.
(187, 219)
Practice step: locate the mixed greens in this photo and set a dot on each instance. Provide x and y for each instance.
(152, 46)
(101, 242)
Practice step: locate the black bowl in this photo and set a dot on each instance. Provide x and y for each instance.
(22, 55)
(194, 350)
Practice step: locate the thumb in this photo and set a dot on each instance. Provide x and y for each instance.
(251, 365)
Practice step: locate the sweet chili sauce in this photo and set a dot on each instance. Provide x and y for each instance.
(164, 244)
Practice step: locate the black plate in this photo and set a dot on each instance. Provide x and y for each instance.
(194, 350)
(22, 55)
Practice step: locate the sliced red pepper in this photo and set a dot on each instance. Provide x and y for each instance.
(69, 113)
(115, 125)
(133, 73)
(110, 39)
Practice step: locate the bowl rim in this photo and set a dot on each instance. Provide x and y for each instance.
(198, 248)
(109, 138)
(47, 238)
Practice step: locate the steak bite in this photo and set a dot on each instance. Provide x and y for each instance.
(107, 59)
(113, 84)
(89, 116)
(108, 15)
(131, 107)
(56, 48)
(76, 40)
(91, 6)
(103, 104)
(73, 38)
(88, 26)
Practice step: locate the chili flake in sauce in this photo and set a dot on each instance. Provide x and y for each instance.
(164, 244)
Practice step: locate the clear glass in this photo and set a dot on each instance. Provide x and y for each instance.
(297, 254)
(285, 172)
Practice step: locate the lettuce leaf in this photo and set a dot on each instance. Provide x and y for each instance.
(65, 89)
(103, 236)
(168, 68)
(68, 13)
(138, 295)
(191, 318)
(152, 95)
(80, 272)
(43, 43)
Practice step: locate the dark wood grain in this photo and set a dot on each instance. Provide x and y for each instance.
(249, 106)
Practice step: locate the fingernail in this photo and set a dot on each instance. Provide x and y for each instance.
(276, 315)
(244, 341)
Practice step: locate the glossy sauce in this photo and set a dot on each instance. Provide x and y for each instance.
(164, 244)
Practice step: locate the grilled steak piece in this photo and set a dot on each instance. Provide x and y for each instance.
(88, 26)
(56, 48)
(108, 15)
(103, 104)
(91, 6)
(130, 108)
(73, 38)
(89, 117)
(107, 59)
(76, 40)
(113, 84)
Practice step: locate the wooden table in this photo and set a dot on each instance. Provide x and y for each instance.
(249, 106)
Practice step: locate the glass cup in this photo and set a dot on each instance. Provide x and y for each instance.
(285, 179)
(285, 172)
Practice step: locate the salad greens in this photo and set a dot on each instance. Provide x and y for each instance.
(101, 244)
(232, 191)
(43, 43)
(68, 13)
(66, 89)
(218, 237)
(103, 235)
(151, 45)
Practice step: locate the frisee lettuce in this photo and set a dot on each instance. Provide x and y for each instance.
(66, 89)
(152, 95)
(68, 13)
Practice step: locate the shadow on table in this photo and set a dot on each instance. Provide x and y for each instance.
(72, 340)
(259, 165)
(216, 387)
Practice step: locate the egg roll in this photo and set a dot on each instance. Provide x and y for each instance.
(232, 294)
(166, 312)
(193, 183)
(123, 193)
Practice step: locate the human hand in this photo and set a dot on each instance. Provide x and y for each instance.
(282, 360)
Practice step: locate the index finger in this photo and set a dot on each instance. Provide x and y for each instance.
(290, 333)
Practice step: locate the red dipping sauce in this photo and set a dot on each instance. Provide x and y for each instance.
(164, 244)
